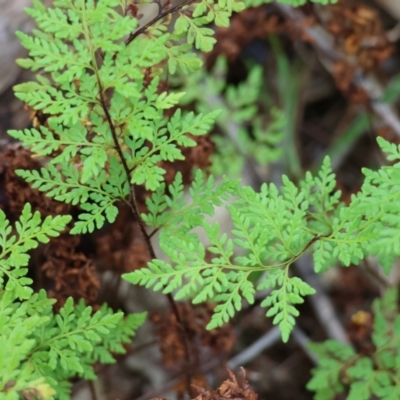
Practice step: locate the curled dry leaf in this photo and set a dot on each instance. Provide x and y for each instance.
(234, 388)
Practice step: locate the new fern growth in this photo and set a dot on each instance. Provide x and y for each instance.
(240, 112)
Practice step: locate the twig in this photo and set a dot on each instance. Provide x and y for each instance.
(144, 346)
(323, 42)
(182, 327)
(141, 30)
(266, 341)
(251, 352)
(380, 280)
(303, 341)
(92, 388)
(255, 349)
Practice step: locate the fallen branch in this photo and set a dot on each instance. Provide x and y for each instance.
(324, 45)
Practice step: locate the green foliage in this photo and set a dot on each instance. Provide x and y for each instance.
(29, 231)
(112, 126)
(271, 230)
(40, 350)
(268, 232)
(342, 370)
(378, 202)
(92, 86)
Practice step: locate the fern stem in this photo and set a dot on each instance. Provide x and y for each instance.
(182, 327)
(380, 280)
(132, 196)
(146, 237)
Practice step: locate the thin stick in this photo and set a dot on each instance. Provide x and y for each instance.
(141, 30)
(303, 341)
(320, 301)
(323, 42)
(381, 281)
(255, 349)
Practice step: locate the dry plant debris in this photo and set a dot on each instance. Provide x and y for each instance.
(120, 246)
(358, 33)
(204, 345)
(15, 192)
(68, 271)
(234, 388)
(246, 26)
(72, 272)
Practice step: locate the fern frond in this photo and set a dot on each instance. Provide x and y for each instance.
(267, 230)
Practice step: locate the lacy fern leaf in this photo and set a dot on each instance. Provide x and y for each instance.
(258, 233)
(271, 230)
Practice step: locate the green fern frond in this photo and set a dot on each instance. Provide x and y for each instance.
(267, 230)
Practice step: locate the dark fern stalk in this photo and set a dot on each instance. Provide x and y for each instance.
(139, 221)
